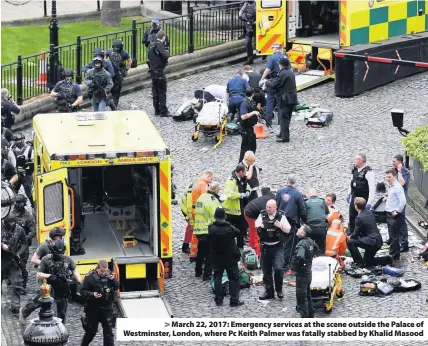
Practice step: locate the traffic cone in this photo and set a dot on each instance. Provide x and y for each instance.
(193, 248)
(43, 76)
(259, 130)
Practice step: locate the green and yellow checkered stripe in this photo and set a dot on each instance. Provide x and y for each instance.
(381, 23)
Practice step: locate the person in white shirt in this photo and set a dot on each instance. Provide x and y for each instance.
(363, 185)
(271, 226)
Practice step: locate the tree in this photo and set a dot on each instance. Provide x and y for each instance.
(111, 14)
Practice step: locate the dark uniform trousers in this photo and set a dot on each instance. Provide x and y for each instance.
(352, 215)
(290, 243)
(249, 142)
(203, 256)
(23, 260)
(11, 271)
(159, 86)
(273, 258)
(319, 235)
(394, 226)
(103, 315)
(369, 251)
(234, 282)
(25, 180)
(117, 87)
(249, 37)
(59, 306)
(239, 222)
(303, 296)
(284, 118)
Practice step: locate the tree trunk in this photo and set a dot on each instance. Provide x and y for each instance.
(110, 13)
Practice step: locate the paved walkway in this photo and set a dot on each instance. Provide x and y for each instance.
(14, 10)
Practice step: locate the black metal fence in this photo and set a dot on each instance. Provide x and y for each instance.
(32, 75)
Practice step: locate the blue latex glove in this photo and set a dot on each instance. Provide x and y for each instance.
(348, 199)
(368, 206)
(243, 195)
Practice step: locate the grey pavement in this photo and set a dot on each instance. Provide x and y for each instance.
(321, 158)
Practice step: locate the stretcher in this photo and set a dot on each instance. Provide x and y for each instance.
(326, 282)
(212, 121)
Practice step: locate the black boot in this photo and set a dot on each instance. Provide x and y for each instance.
(185, 248)
(267, 295)
(236, 304)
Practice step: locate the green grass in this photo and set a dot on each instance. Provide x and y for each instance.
(28, 40)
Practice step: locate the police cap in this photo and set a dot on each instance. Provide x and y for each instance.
(276, 45)
(155, 21)
(56, 232)
(21, 199)
(18, 136)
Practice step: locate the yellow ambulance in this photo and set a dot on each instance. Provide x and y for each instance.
(312, 30)
(106, 178)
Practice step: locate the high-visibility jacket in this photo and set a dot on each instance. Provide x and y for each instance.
(199, 187)
(335, 243)
(205, 209)
(185, 201)
(232, 202)
(335, 215)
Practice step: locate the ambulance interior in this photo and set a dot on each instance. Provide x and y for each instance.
(106, 200)
(315, 21)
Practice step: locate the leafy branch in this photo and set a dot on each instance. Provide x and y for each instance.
(416, 145)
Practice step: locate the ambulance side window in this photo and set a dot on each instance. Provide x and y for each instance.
(271, 4)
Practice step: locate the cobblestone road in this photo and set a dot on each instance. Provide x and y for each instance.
(321, 158)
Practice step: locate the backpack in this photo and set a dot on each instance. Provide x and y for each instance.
(233, 128)
(319, 117)
(117, 62)
(224, 284)
(250, 259)
(185, 112)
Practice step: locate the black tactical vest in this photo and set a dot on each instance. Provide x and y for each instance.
(359, 183)
(270, 233)
(117, 62)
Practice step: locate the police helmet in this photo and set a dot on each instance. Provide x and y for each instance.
(17, 137)
(10, 221)
(68, 73)
(20, 201)
(98, 59)
(56, 232)
(58, 247)
(118, 44)
(98, 52)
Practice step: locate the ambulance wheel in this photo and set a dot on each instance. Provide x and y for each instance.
(195, 137)
(340, 293)
(328, 309)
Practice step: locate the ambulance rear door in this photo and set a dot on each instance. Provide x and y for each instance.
(271, 25)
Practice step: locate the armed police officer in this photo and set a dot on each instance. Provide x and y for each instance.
(67, 93)
(25, 219)
(8, 171)
(158, 59)
(150, 34)
(8, 106)
(302, 267)
(99, 84)
(24, 165)
(13, 246)
(122, 62)
(107, 64)
(99, 291)
(206, 205)
(271, 226)
(44, 249)
(270, 72)
(284, 88)
(249, 118)
(58, 269)
(248, 15)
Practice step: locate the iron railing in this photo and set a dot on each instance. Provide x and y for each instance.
(32, 75)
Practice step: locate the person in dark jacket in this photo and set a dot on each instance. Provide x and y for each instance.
(317, 212)
(158, 59)
(291, 202)
(224, 255)
(366, 235)
(252, 212)
(302, 266)
(253, 79)
(284, 87)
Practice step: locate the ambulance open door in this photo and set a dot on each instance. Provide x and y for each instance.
(53, 204)
(271, 25)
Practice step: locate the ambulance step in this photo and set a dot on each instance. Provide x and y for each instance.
(310, 78)
(144, 304)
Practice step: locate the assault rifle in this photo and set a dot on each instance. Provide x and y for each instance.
(263, 115)
(99, 90)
